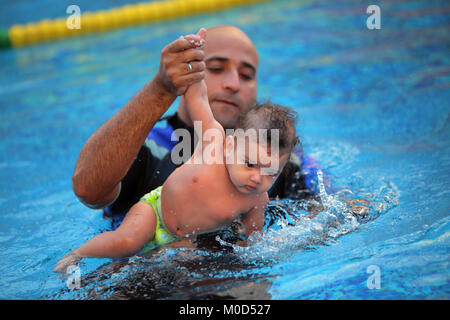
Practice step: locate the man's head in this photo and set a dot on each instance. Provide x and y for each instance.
(261, 145)
(231, 64)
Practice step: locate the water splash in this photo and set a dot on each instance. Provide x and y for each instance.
(294, 225)
(290, 226)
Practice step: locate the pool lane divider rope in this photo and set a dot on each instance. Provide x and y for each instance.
(115, 18)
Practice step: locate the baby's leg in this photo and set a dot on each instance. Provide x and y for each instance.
(136, 230)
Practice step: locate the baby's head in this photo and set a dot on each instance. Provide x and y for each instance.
(260, 146)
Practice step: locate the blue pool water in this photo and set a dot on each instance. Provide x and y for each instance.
(374, 112)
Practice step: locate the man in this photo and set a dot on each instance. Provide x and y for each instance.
(125, 158)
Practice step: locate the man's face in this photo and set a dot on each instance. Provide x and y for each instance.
(231, 65)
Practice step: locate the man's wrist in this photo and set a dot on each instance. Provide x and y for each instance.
(162, 88)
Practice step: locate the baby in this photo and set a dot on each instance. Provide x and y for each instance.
(227, 177)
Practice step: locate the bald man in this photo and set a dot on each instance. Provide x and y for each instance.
(129, 156)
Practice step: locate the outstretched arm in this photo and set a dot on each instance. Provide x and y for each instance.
(110, 151)
(136, 230)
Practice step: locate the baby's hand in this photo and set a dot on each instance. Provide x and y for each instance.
(68, 260)
(197, 39)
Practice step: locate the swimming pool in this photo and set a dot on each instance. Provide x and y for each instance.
(373, 108)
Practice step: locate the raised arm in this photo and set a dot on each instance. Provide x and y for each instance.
(110, 151)
(198, 107)
(197, 103)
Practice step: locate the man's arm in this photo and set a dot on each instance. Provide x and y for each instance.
(109, 152)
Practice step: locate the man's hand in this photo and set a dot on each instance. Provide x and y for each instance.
(174, 74)
(197, 91)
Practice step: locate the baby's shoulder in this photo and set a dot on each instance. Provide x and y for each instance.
(258, 200)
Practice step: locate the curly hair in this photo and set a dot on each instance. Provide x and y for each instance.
(270, 116)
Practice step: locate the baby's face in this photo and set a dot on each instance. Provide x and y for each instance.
(252, 167)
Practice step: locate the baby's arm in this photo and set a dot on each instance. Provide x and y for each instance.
(136, 230)
(255, 218)
(196, 98)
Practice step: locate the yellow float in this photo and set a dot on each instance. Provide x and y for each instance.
(104, 20)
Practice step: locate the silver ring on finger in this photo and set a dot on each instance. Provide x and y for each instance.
(189, 68)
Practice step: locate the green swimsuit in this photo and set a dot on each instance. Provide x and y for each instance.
(162, 234)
